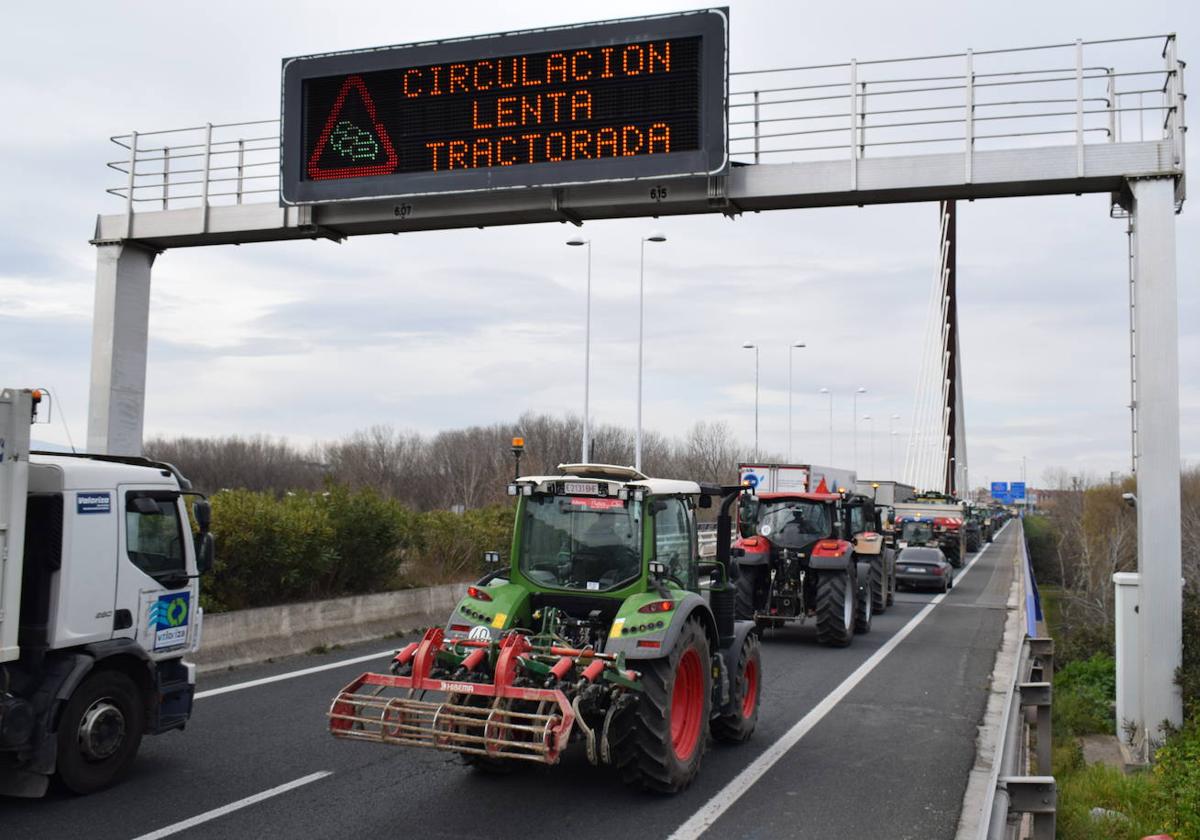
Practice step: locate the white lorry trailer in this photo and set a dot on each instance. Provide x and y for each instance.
(98, 606)
(795, 478)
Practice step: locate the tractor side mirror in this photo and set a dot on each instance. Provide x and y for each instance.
(704, 502)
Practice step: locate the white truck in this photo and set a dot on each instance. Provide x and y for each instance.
(98, 606)
(795, 478)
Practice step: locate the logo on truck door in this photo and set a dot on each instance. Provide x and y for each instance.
(168, 620)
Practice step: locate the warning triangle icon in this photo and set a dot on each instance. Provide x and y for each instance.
(353, 144)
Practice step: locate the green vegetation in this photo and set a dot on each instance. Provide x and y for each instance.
(1075, 546)
(311, 545)
(1083, 696)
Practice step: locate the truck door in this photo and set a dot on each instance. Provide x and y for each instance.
(156, 593)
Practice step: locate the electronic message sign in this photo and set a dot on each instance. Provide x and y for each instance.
(633, 98)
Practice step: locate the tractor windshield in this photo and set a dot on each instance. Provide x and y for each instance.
(916, 533)
(573, 542)
(790, 523)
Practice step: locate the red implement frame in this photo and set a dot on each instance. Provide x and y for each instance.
(474, 718)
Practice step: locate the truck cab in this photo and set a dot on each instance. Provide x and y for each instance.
(98, 612)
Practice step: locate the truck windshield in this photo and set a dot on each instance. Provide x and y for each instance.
(584, 543)
(791, 523)
(916, 532)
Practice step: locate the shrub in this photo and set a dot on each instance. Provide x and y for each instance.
(1083, 696)
(1041, 536)
(1189, 673)
(368, 533)
(1177, 778)
(449, 546)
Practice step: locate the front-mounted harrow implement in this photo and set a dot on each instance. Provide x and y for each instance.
(517, 698)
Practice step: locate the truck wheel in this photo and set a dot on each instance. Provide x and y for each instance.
(835, 609)
(739, 723)
(866, 607)
(664, 739)
(99, 732)
(879, 585)
(748, 592)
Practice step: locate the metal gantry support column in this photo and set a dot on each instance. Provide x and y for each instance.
(120, 327)
(1158, 505)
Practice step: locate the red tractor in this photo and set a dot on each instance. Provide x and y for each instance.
(813, 555)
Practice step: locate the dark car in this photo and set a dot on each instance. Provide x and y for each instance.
(924, 567)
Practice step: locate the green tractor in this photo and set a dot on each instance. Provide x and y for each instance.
(606, 628)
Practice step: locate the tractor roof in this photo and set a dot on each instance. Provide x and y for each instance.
(621, 475)
(812, 497)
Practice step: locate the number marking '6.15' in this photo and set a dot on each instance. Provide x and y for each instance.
(658, 193)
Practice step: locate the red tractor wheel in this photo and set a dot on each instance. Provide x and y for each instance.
(739, 722)
(662, 742)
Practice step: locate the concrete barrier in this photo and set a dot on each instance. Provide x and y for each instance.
(244, 637)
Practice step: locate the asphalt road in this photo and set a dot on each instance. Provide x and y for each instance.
(884, 752)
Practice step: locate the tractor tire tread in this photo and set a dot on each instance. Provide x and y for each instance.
(832, 591)
(642, 749)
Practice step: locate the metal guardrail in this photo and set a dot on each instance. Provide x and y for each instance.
(1015, 791)
(1057, 94)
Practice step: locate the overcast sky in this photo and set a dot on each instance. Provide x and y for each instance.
(428, 331)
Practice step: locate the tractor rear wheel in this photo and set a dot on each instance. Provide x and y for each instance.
(739, 723)
(879, 584)
(835, 609)
(749, 592)
(664, 739)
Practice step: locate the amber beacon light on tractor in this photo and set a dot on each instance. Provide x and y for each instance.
(611, 101)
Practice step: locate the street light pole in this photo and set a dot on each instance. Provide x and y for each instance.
(829, 393)
(794, 346)
(587, 349)
(754, 347)
(892, 446)
(854, 416)
(871, 443)
(653, 237)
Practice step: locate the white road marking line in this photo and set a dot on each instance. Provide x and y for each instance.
(712, 810)
(233, 806)
(291, 675)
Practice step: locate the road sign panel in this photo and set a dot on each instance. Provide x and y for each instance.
(1017, 489)
(999, 488)
(634, 98)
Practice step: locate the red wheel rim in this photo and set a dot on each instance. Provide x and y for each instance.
(750, 689)
(687, 704)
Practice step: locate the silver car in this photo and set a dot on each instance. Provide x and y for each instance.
(924, 567)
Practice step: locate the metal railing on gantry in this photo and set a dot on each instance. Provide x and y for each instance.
(1080, 93)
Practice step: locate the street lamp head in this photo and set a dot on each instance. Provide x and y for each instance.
(578, 240)
(866, 416)
(749, 346)
(823, 391)
(800, 344)
(656, 236)
(861, 390)
(895, 416)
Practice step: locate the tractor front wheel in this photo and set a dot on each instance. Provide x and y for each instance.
(664, 740)
(835, 609)
(738, 724)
